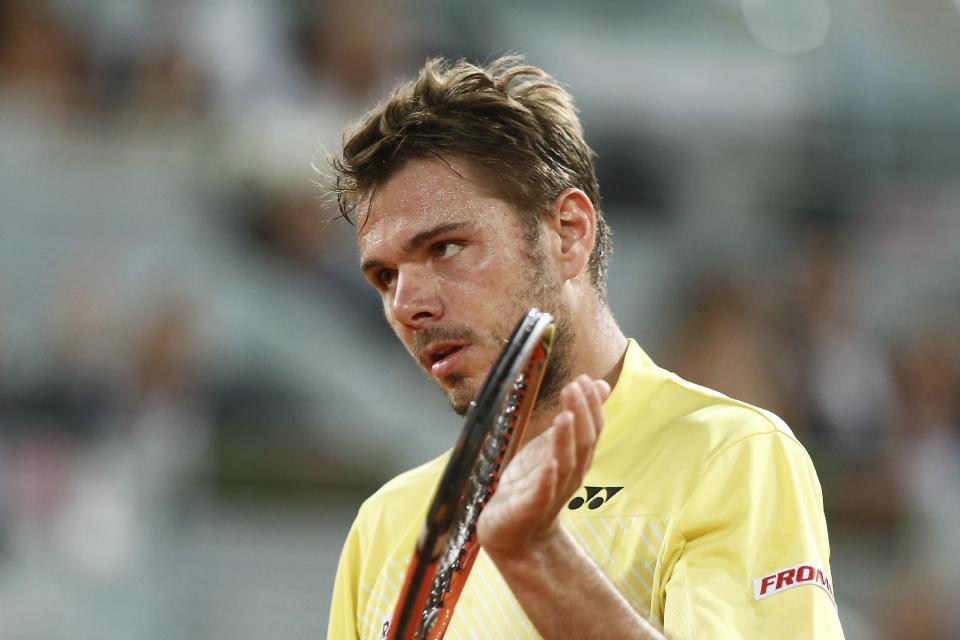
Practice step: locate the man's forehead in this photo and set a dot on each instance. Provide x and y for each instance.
(422, 189)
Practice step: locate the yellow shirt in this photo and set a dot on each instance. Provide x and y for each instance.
(705, 512)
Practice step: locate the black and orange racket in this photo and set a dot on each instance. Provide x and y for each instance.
(447, 546)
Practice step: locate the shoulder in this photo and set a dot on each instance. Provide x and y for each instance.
(409, 483)
(402, 500)
(715, 420)
(671, 436)
(735, 451)
(654, 404)
(658, 420)
(725, 437)
(739, 467)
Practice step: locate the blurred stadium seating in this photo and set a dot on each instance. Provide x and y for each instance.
(197, 390)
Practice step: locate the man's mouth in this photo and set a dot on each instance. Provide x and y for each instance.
(443, 358)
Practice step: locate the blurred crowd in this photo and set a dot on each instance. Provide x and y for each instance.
(170, 288)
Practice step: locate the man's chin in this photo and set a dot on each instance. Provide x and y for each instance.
(461, 394)
(461, 403)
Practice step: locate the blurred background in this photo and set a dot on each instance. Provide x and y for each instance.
(197, 390)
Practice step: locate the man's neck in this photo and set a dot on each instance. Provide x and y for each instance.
(599, 352)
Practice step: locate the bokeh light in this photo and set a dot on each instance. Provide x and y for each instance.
(788, 26)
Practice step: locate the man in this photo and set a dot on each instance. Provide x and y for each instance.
(657, 509)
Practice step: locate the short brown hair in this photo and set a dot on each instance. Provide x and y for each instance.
(512, 120)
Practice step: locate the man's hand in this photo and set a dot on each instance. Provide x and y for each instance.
(523, 513)
(559, 588)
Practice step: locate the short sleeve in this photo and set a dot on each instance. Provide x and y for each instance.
(344, 605)
(754, 560)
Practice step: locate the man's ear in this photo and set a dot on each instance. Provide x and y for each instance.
(574, 221)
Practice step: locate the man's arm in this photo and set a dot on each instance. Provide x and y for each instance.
(756, 555)
(558, 586)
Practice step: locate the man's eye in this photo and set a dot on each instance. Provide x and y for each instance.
(447, 249)
(385, 278)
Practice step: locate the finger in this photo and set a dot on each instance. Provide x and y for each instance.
(530, 480)
(528, 491)
(546, 485)
(564, 442)
(584, 431)
(594, 408)
(514, 511)
(603, 389)
(572, 400)
(534, 454)
(594, 402)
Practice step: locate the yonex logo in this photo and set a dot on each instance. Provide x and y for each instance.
(592, 499)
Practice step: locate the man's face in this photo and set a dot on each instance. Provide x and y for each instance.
(453, 269)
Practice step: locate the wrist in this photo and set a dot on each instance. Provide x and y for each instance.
(535, 555)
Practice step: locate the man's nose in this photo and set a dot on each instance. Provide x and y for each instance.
(416, 300)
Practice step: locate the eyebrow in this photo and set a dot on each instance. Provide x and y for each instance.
(418, 241)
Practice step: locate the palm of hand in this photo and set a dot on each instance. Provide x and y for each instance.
(545, 472)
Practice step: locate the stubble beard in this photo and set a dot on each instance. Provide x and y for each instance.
(461, 392)
(540, 292)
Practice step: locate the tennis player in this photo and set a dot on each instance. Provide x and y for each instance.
(644, 506)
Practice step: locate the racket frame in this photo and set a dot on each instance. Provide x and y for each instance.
(516, 375)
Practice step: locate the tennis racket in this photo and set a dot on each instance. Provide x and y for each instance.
(447, 546)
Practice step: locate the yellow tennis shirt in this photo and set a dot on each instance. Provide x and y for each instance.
(705, 512)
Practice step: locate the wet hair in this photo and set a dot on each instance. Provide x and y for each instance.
(512, 121)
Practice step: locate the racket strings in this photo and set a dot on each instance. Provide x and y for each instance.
(482, 484)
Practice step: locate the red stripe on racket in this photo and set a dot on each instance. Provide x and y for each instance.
(447, 546)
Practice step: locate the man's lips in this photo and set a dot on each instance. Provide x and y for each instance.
(442, 358)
